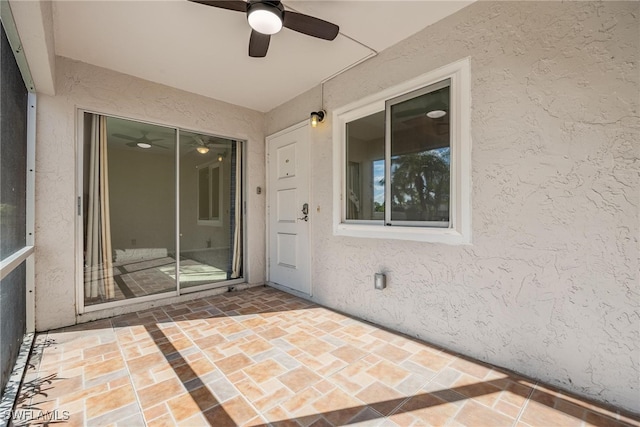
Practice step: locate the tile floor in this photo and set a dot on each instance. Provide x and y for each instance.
(136, 278)
(263, 357)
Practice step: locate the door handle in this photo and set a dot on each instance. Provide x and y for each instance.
(305, 212)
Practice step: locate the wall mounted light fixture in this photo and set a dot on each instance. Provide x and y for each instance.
(317, 117)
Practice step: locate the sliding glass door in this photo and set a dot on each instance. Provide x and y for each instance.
(137, 244)
(209, 211)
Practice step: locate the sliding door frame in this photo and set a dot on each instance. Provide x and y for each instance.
(81, 308)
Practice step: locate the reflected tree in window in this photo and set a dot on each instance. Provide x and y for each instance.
(420, 185)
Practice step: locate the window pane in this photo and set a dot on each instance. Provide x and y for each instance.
(203, 194)
(420, 158)
(130, 209)
(13, 324)
(13, 154)
(208, 250)
(364, 195)
(215, 193)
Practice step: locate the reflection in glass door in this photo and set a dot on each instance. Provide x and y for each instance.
(129, 195)
(210, 222)
(130, 224)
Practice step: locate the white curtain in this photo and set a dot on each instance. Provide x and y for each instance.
(236, 264)
(98, 281)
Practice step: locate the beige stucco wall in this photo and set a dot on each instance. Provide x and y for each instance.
(550, 285)
(84, 86)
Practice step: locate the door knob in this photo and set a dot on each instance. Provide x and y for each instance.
(305, 212)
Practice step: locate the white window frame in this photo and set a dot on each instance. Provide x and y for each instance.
(459, 230)
(214, 167)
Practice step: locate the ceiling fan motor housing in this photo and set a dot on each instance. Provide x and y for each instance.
(271, 7)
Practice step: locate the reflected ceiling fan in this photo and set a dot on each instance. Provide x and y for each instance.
(203, 144)
(267, 17)
(142, 142)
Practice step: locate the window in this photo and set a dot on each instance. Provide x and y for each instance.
(17, 176)
(404, 157)
(209, 193)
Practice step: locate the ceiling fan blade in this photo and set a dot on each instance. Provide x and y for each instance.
(310, 25)
(414, 112)
(127, 137)
(258, 44)
(237, 5)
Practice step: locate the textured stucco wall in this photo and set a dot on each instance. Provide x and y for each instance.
(83, 86)
(550, 285)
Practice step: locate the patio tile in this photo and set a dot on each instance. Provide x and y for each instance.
(381, 398)
(160, 392)
(392, 353)
(98, 366)
(233, 363)
(473, 413)
(299, 379)
(540, 411)
(301, 400)
(108, 401)
(263, 371)
(163, 421)
(156, 412)
(431, 360)
(189, 404)
(238, 410)
(263, 357)
(338, 407)
(388, 373)
(480, 391)
(424, 409)
(349, 353)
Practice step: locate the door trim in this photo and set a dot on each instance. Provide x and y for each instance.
(268, 139)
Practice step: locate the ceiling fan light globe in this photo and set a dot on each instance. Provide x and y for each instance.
(436, 114)
(264, 18)
(202, 149)
(143, 145)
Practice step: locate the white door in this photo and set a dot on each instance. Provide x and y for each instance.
(288, 188)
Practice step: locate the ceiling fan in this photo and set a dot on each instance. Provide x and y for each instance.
(142, 142)
(267, 17)
(200, 144)
(203, 144)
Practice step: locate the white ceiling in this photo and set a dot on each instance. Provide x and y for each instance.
(203, 49)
